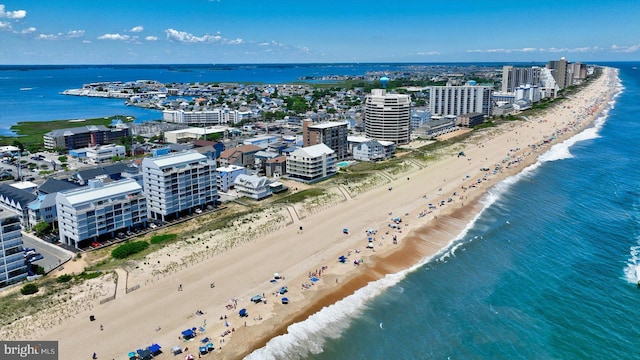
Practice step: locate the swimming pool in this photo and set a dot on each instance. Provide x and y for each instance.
(344, 163)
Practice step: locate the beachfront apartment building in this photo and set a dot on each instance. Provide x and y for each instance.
(205, 117)
(333, 134)
(387, 117)
(561, 71)
(12, 265)
(84, 136)
(513, 77)
(459, 100)
(105, 153)
(89, 214)
(469, 119)
(312, 163)
(543, 78)
(178, 183)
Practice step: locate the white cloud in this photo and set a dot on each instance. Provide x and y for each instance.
(271, 43)
(5, 26)
(585, 49)
(18, 14)
(47, 37)
(28, 30)
(136, 29)
(625, 49)
(429, 53)
(183, 36)
(113, 37)
(68, 35)
(151, 38)
(75, 33)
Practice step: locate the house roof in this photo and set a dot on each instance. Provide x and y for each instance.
(253, 180)
(279, 159)
(20, 196)
(316, 150)
(101, 170)
(54, 185)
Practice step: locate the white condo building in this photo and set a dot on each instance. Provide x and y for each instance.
(178, 183)
(311, 163)
(459, 100)
(205, 117)
(12, 265)
(387, 117)
(100, 210)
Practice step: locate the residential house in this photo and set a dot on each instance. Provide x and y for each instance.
(243, 155)
(252, 186)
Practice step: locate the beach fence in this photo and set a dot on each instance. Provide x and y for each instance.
(133, 288)
(107, 299)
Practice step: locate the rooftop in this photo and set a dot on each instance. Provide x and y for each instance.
(176, 158)
(106, 191)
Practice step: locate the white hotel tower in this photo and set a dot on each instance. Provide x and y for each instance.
(387, 117)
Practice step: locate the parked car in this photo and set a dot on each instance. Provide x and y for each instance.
(153, 226)
(35, 257)
(198, 211)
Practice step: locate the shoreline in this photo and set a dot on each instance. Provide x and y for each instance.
(414, 251)
(244, 270)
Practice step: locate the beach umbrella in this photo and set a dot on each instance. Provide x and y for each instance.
(132, 354)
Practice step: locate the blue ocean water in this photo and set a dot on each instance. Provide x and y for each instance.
(548, 270)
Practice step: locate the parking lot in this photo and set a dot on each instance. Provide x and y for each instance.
(53, 255)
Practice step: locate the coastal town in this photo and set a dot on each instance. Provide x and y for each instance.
(275, 161)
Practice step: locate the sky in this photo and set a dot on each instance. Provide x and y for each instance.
(309, 31)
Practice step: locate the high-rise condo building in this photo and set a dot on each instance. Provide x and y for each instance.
(387, 117)
(561, 71)
(460, 100)
(333, 134)
(513, 77)
(178, 183)
(12, 264)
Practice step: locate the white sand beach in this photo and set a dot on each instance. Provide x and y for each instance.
(299, 242)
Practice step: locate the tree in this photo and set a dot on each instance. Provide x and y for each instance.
(62, 159)
(42, 227)
(19, 145)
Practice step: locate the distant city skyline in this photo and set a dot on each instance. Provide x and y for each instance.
(329, 31)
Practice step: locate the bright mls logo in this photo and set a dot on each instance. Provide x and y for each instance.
(40, 350)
